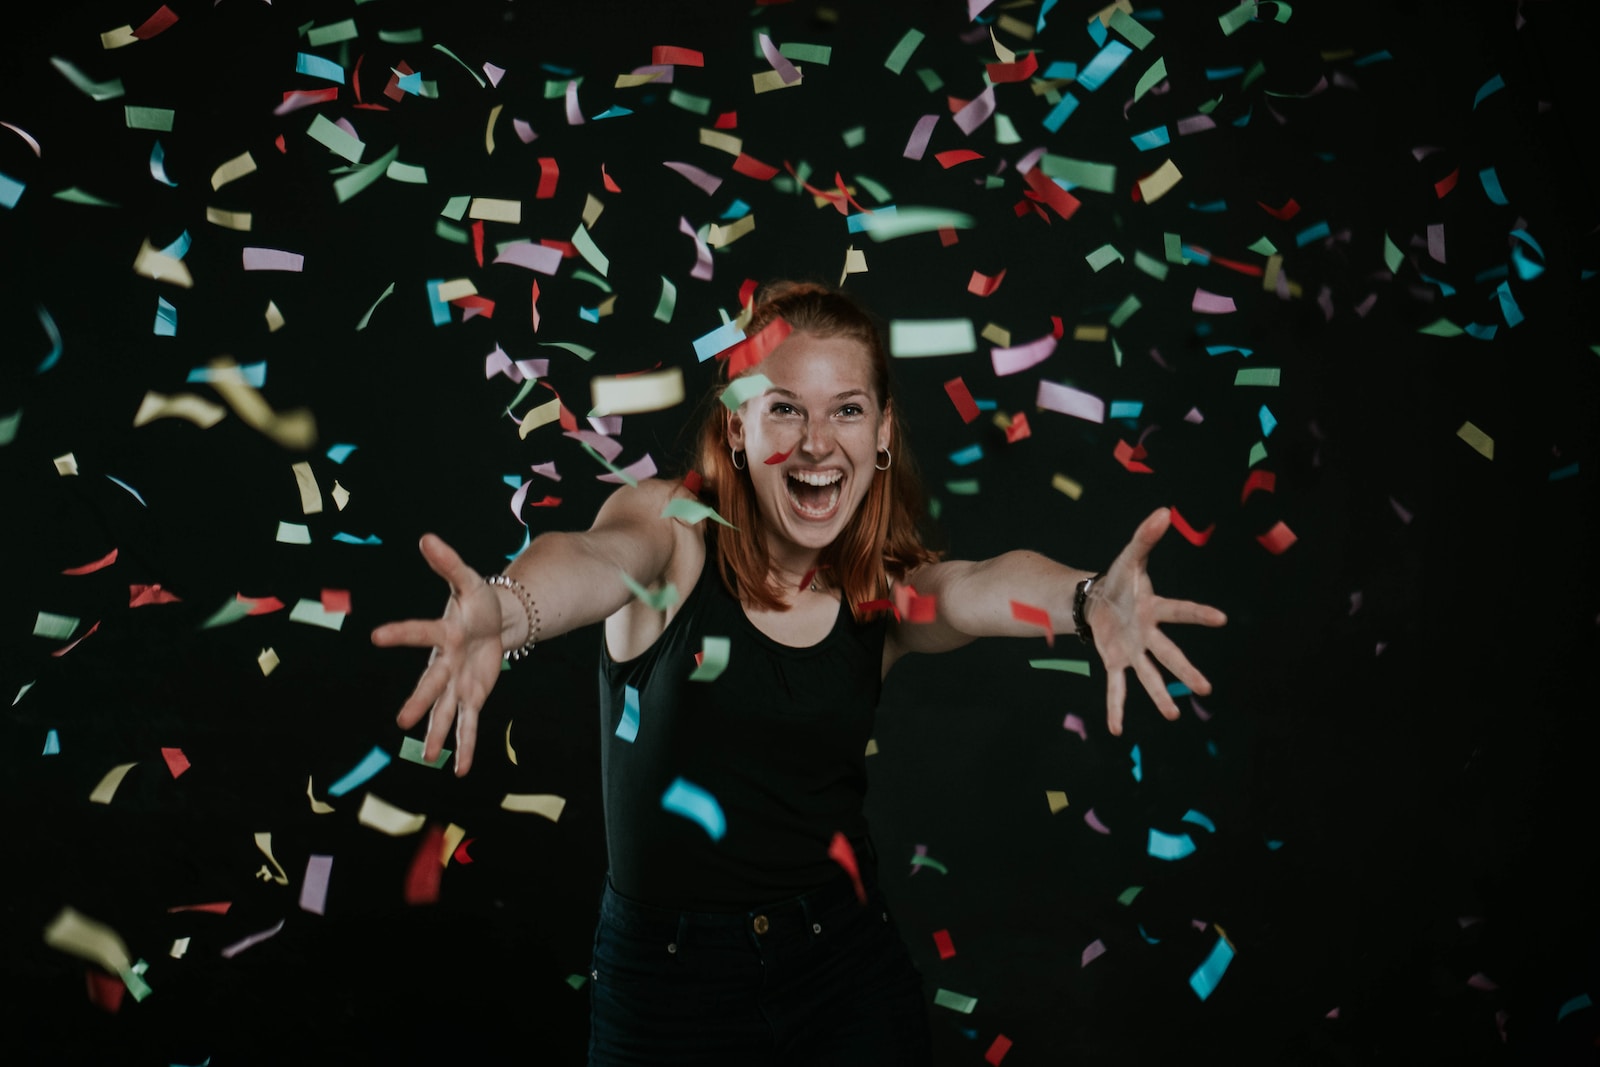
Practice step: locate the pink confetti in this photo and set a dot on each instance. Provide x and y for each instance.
(920, 136)
(1094, 822)
(493, 73)
(1195, 123)
(702, 251)
(1212, 303)
(1482, 982)
(1075, 724)
(525, 131)
(1199, 712)
(272, 259)
(1436, 241)
(497, 362)
(608, 447)
(786, 70)
(1019, 358)
(1069, 401)
(541, 258)
(1365, 306)
(254, 939)
(574, 116)
(1092, 951)
(707, 183)
(977, 110)
(637, 470)
(1194, 417)
(314, 888)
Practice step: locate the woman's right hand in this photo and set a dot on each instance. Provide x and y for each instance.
(465, 663)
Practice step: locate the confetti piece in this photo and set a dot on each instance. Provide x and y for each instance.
(713, 659)
(106, 90)
(692, 511)
(1056, 799)
(1029, 615)
(693, 803)
(1091, 952)
(53, 626)
(314, 886)
(317, 806)
(1265, 481)
(1021, 357)
(1278, 539)
(384, 817)
(1206, 976)
(1053, 396)
(840, 852)
(912, 338)
(1169, 846)
(1268, 376)
(1479, 441)
(1061, 483)
(268, 661)
(77, 934)
(1195, 537)
(373, 762)
(52, 740)
(1159, 183)
(1070, 666)
(960, 396)
(1211, 303)
(944, 998)
(628, 394)
(898, 57)
(886, 225)
(1577, 1003)
(250, 942)
(176, 761)
(547, 804)
(1001, 1044)
(107, 788)
(1094, 822)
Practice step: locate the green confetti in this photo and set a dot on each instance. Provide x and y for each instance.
(667, 302)
(806, 53)
(930, 79)
(1098, 177)
(931, 337)
(1442, 328)
(660, 600)
(1392, 256)
(741, 389)
(408, 173)
(332, 33)
(713, 659)
(1172, 244)
(581, 351)
(909, 220)
(8, 426)
(1129, 893)
(929, 862)
(106, 90)
(335, 139)
(1150, 265)
(453, 234)
(362, 325)
(1124, 312)
(854, 137)
(699, 105)
(965, 487)
(589, 250)
(74, 195)
(944, 998)
(1258, 452)
(411, 751)
(1132, 31)
(230, 612)
(481, 83)
(148, 118)
(1103, 257)
(351, 184)
(902, 51)
(1151, 78)
(692, 511)
(879, 192)
(1256, 376)
(1070, 666)
(59, 627)
(411, 36)
(456, 207)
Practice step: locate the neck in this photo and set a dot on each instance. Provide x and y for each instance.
(795, 571)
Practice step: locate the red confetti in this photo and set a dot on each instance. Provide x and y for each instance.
(217, 908)
(548, 502)
(961, 397)
(941, 938)
(692, 482)
(1041, 188)
(840, 852)
(422, 881)
(954, 156)
(393, 90)
(549, 174)
(983, 284)
(461, 854)
(1129, 457)
(998, 1050)
(1266, 481)
(140, 595)
(533, 307)
(1018, 429)
(567, 249)
(948, 236)
(336, 601)
(1278, 539)
(805, 580)
(752, 350)
(177, 762)
(282, 148)
(776, 458)
(1283, 214)
(838, 183)
(1254, 270)
(153, 25)
(751, 167)
(1020, 71)
(868, 606)
(610, 182)
(1057, 328)
(1442, 187)
(260, 605)
(728, 120)
(474, 305)
(666, 55)
(477, 240)
(105, 990)
(1027, 613)
(89, 568)
(63, 651)
(1190, 534)
(913, 608)
(747, 290)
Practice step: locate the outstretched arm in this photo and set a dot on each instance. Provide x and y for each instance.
(974, 599)
(573, 580)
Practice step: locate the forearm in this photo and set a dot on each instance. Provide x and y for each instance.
(572, 582)
(976, 598)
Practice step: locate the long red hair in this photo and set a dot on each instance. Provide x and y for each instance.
(881, 541)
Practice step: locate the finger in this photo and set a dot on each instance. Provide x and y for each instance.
(466, 737)
(1153, 684)
(1172, 658)
(1147, 535)
(440, 719)
(1116, 694)
(411, 633)
(1188, 611)
(422, 698)
(447, 565)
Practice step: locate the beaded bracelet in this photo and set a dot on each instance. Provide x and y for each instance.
(1080, 602)
(528, 606)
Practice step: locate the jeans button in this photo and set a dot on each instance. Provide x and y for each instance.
(672, 947)
(816, 928)
(760, 925)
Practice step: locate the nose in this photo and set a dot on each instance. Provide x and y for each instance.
(818, 437)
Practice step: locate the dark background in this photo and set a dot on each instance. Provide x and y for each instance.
(1400, 783)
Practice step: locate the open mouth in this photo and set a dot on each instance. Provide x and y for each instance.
(815, 494)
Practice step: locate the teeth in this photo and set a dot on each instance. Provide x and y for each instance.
(818, 478)
(833, 499)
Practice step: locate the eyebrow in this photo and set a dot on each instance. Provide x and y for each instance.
(778, 389)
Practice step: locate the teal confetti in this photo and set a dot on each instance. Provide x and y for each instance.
(1206, 976)
(628, 728)
(1169, 846)
(370, 764)
(689, 800)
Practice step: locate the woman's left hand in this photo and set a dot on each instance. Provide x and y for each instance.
(1125, 616)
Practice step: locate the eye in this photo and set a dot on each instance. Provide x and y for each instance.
(781, 408)
(851, 410)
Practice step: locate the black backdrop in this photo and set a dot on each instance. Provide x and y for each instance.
(1396, 760)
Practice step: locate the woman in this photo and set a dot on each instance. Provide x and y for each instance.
(741, 921)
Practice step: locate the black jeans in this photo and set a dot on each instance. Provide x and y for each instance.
(816, 979)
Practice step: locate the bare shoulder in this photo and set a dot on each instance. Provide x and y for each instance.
(641, 502)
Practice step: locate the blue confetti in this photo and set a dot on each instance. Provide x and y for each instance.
(1044, 9)
(1480, 332)
(130, 489)
(166, 318)
(1061, 69)
(1565, 472)
(410, 83)
(56, 346)
(1527, 269)
(317, 67)
(1216, 74)
(1311, 233)
(1217, 350)
(1061, 112)
(1206, 976)
(1138, 766)
(1146, 935)
(628, 728)
(1374, 57)
(970, 454)
(1490, 87)
(352, 539)
(1575, 1004)
(1126, 409)
(340, 453)
(1177, 689)
(1491, 186)
(1104, 64)
(253, 374)
(736, 210)
(10, 190)
(724, 336)
(689, 800)
(862, 222)
(1268, 421)
(1098, 31)
(158, 166)
(371, 764)
(440, 309)
(1192, 816)
(1151, 139)
(52, 743)
(1508, 304)
(612, 112)
(1169, 846)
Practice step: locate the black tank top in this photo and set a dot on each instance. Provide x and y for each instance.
(778, 740)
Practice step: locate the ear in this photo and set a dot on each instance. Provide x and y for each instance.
(736, 431)
(886, 427)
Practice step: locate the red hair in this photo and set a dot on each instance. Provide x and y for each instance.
(881, 541)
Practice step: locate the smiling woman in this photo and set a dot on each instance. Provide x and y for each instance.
(741, 920)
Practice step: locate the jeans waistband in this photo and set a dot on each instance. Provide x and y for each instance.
(803, 916)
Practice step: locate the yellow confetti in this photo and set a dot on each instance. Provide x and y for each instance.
(267, 661)
(493, 210)
(341, 495)
(723, 142)
(274, 318)
(488, 133)
(121, 37)
(1481, 442)
(229, 220)
(1056, 799)
(872, 746)
(997, 334)
(456, 288)
(855, 262)
(721, 236)
(591, 210)
(66, 464)
(629, 394)
(317, 807)
(108, 785)
(264, 843)
(1067, 486)
(75, 933)
(232, 170)
(382, 816)
(541, 415)
(547, 804)
(1160, 183)
(630, 81)
(453, 836)
(767, 81)
(203, 413)
(511, 753)
(1090, 333)
(159, 266)
(310, 494)
(295, 429)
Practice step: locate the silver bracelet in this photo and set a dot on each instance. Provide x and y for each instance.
(528, 607)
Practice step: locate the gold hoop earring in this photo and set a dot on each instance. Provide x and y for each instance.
(887, 465)
(735, 454)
